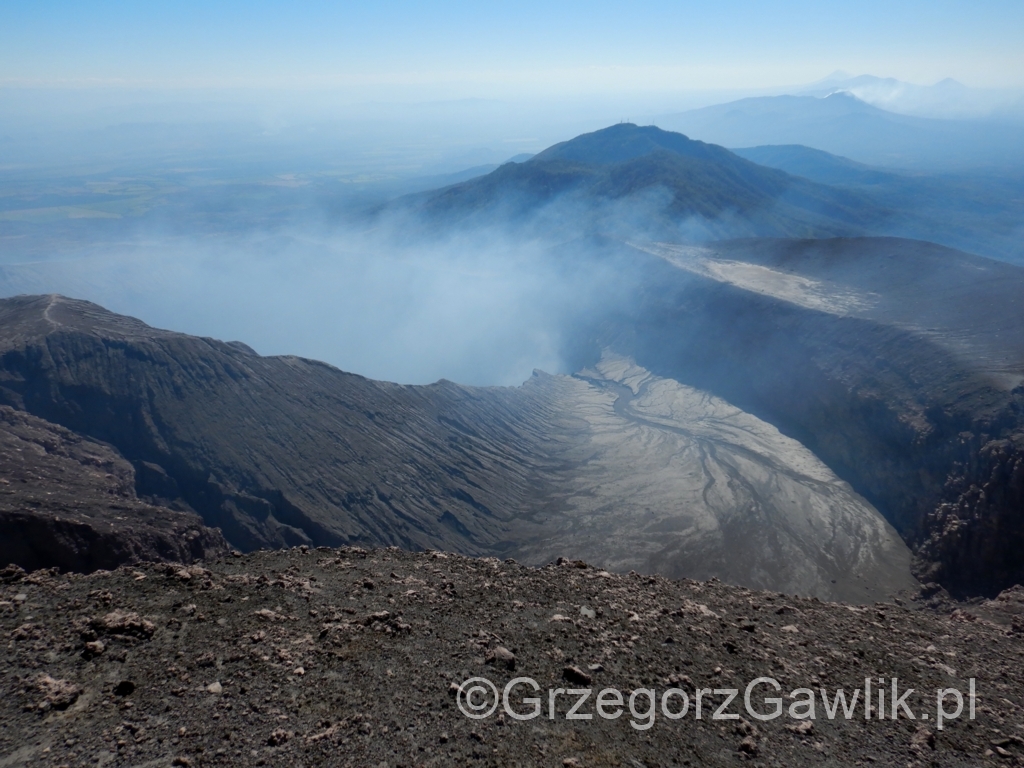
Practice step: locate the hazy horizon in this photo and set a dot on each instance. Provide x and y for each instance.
(196, 164)
(520, 78)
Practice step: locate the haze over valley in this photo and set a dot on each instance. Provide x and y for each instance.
(637, 351)
(627, 246)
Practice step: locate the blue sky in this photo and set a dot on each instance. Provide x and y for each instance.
(490, 48)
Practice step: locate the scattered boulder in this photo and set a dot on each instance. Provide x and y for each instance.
(576, 675)
(93, 649)
(123, 623)
(57, 694)
(278, 737)
(921, 739)
(502, 657)
(11, 573)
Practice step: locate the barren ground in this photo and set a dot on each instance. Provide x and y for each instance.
(347, 657)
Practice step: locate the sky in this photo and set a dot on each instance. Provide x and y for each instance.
(454, 49)
(190, 163)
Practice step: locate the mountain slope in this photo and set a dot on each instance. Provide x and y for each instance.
(975, 212)
(629, 470)
(69, 502)
(844, 125)
(899, 363)
(816, 165)
(232, 431)
(642, 177)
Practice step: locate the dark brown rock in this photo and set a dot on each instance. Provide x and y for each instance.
(368, 696)
(58, 694)
(576, 675)
(501, 657)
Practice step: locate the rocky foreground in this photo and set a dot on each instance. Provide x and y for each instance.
(354, 657)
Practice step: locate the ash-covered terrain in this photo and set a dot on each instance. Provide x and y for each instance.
(354, 657)
(898, 363)
(671, 480)
(776, 413)
(626, 469)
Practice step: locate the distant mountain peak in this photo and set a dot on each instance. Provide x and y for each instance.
(623, 142)
(670, 179)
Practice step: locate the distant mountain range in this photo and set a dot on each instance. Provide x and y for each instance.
(844, 125)
(817, 165)
(627, 181)
(627, 177)
(946, 99)
(975, 212)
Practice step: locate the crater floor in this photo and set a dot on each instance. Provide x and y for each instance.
(663, 478)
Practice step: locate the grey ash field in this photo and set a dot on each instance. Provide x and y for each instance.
(347, 657)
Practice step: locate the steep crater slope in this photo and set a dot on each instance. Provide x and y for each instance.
(898, 362)
(628, 469)
(69, 502)
(275, 451)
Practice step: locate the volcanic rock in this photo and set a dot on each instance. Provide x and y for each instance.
(68, 501)
(616, 466)
(380, 697)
